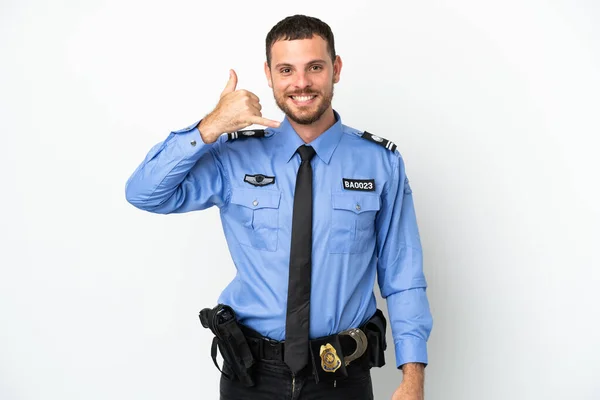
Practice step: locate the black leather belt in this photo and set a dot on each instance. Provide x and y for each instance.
(241, 346)
(331, 356)
(264, 348)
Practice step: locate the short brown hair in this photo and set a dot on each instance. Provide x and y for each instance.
(300, 27)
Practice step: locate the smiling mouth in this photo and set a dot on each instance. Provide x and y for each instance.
(303, 99)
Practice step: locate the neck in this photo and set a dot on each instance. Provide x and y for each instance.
(310, 132)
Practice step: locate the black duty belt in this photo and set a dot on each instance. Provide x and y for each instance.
(330, 355)
(264, 348)
(241, 346)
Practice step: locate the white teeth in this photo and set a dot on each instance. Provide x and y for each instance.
(303, 98)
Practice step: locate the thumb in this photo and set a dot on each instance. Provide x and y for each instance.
(231, 83)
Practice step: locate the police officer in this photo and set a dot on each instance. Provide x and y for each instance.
(313, 211)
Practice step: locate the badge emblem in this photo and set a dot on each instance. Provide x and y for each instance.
(376, 138)
(259, 179)
(248, 133)
(330, 362)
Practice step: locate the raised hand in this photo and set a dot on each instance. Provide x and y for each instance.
(237, 109)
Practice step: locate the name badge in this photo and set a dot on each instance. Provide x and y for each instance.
(365, 185)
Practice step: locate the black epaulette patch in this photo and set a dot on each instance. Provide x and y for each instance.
(388, 144)
(257, 133)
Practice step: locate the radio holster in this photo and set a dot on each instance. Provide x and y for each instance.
(230, 341)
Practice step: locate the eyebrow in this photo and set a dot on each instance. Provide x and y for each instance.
(310, 62)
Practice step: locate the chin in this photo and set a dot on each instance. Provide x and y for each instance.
(305, 113)
(305, 118)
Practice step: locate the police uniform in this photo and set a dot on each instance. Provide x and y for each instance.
(364, 225)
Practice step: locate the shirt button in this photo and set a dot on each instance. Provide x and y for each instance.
(193, 142)
(255, 203)
(358, 207)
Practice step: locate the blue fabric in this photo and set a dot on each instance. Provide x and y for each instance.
(357, 235)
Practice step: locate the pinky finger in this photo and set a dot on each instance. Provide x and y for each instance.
(265, 122)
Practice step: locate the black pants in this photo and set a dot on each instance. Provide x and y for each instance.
(273, 381)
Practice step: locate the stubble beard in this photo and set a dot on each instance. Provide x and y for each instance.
(305, 119)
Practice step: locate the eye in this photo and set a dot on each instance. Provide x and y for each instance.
(285, 71)
(316, 67)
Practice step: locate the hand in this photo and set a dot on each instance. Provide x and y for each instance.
(407, 391)
(236, 110)
(413, 378)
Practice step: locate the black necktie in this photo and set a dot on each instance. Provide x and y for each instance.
(298, 306)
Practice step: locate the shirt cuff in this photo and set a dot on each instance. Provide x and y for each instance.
(188, 128)
(411, 350)
(189, 141)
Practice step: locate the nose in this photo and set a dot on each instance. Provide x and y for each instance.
(302, 81)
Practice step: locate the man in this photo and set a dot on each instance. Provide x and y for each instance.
(306, 259)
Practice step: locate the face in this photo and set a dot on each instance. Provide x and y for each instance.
(302, 76)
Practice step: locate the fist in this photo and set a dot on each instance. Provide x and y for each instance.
(237, 109)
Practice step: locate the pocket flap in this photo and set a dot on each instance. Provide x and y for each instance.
(256, 198)
(356, 202)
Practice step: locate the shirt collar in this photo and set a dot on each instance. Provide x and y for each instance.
(324, 145)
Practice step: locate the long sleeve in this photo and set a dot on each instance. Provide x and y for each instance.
(179, 175)
(400, 270)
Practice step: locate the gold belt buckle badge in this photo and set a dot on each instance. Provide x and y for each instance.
(330, 362)
(361, 343)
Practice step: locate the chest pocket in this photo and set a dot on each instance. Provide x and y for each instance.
(257, 210)
(353, 222)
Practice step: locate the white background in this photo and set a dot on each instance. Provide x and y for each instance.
(494, 106)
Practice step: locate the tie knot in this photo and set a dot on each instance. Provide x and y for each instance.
(306, 152)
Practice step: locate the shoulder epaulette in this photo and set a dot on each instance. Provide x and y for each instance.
(388, 144)
(256, 133)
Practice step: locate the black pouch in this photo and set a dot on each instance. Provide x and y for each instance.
(230, 341)
(375, 331)
(327, 359)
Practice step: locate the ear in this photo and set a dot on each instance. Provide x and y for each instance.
(337, 69)
(268, 75)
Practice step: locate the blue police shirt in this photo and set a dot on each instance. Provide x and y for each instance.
(364, 225)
